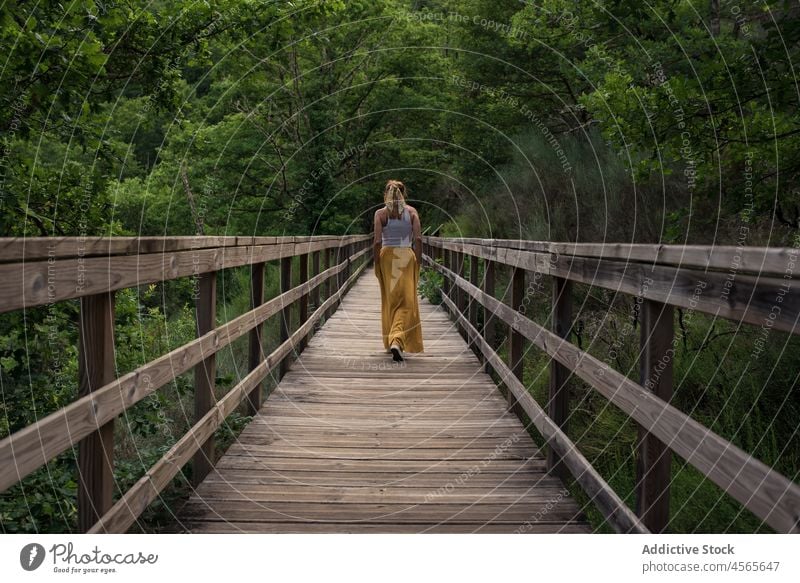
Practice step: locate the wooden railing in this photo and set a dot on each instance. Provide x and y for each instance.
(746, 285)
(35, 272)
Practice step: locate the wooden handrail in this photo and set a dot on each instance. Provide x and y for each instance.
(765, 492)
(18, 249)
(103, 400)
(28, 283)
(761, 260)
(748, 298)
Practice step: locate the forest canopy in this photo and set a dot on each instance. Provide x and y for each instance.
(671, 121)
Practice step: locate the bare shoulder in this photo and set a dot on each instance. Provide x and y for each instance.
(412, 210)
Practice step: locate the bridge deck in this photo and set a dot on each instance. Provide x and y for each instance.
(351, 442)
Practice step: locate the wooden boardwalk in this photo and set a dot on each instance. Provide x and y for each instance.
(351, 442)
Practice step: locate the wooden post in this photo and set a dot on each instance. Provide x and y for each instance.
(95, 369)
(455, 293)
(460, 294)
(205, 373)
(488, 316)
(303, 301)
(256, 349)
(515, 339)
(654, 458)
(315, 263)
(339, 276)
(351, 249)
(286, 312)
(346, 258)
(448, 263)
(558, 404)
(451, 258)
(330, 253)
(472, 303)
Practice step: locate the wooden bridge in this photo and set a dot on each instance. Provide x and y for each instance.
(348, 440)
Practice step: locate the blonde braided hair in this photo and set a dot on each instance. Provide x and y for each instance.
(394, 198)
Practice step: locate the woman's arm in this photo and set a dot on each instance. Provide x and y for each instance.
(416, 236)
(377, 240)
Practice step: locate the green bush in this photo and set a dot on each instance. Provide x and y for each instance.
(430, 284)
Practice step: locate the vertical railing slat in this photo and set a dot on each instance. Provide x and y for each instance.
(558, 403)
(488, 316)
(473, 304)
(460, 293)
(447, 261)
(303, 301)
(205, 372)
(515, 339)
(654, 458)
(315, 263)
(286, 311)
(330, 254)
(256, 347)
(95, 369)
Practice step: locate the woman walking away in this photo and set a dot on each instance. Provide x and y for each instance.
(398, 256)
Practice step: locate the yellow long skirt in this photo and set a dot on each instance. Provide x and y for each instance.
(398, 274)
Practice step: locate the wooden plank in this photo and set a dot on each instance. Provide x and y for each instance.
(292, 423)
(219, 491)
(362, 433)
(409, 453)
(95, 369)
(205, 373)
(386, 443)
(213, 526)
(653, 457)
(763, 491)
(246, 511)
(430, 480)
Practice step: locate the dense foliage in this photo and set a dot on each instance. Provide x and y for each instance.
(665, 121)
